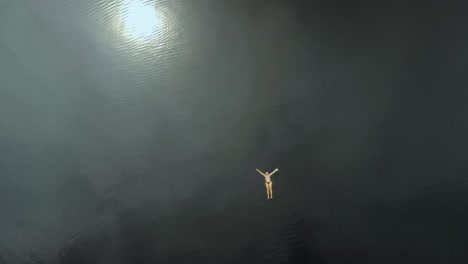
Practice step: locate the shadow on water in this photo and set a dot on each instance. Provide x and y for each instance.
(301, 245)
(139, 236)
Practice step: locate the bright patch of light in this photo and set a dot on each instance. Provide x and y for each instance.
(142, 21)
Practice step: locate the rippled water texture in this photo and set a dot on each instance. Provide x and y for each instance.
(130, 131)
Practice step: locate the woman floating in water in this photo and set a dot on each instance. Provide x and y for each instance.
(268, 182)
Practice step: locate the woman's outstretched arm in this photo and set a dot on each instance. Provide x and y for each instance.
(260, 172)
(274, 171)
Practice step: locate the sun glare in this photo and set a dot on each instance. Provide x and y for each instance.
(142, 20)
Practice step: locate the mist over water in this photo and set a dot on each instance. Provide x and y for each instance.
(130, 142)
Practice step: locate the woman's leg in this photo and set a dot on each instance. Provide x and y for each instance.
(271, 189)
(267, 190)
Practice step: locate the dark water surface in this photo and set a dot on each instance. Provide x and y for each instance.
(130, 131)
